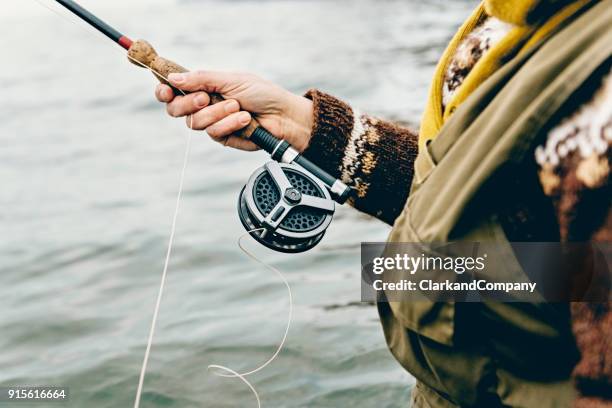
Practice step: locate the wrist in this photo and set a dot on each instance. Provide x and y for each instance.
(332, 130)
(298, 121)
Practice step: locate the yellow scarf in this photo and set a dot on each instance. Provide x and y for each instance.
(531, 25)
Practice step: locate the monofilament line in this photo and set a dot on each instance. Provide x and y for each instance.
(162, 284)
(172, 229)
(242, 376)
(229, 371)
(78, 23)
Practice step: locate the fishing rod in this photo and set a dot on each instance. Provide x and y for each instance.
(288, 203)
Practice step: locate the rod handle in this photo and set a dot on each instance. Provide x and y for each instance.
(281, 151)
(144, 53)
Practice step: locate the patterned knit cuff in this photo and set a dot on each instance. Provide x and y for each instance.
(373, 156)
(333, 124)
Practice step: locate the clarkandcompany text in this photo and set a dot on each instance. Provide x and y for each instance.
(430, 285)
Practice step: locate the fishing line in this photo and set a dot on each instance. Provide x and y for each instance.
(165, 271)
(289, 294)
(162, 284)
(228, 372)
(232, 373)
(242, 376)
(77, 23)
(172, 228)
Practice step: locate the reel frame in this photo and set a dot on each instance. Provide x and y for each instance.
(272, 228)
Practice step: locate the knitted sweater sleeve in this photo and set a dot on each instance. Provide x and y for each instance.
(373, 156)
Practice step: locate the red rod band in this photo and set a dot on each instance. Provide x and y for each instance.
(125, 42)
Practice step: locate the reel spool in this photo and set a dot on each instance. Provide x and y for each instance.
(290, 207)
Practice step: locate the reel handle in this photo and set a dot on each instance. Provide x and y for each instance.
(281, 151)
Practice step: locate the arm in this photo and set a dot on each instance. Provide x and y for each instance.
(373, 156)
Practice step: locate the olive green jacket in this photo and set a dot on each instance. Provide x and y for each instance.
(489, 354)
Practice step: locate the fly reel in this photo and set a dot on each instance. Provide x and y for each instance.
(285, 207)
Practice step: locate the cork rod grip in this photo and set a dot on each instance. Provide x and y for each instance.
(145, 54)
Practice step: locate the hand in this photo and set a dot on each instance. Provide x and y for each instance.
(285, 115)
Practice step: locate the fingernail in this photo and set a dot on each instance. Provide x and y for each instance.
(201, 101)
(231, 106)
(244, 118)
(176, 78)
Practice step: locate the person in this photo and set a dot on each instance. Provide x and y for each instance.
(514, 144)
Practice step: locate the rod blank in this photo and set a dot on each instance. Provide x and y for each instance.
(96, 22)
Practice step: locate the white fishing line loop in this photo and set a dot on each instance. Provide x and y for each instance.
(242, 376)
(237, 375)
(289, 294)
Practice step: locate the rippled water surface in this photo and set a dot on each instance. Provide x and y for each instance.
(89, 168)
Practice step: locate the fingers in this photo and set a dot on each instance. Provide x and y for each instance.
(186, 105)
(221, 120)
(239, 143)
(164, 93)
(209, 81)
(223, 130)
(181, 105)
(212, 114)
(228, 125)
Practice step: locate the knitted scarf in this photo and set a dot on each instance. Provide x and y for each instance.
(533, 21)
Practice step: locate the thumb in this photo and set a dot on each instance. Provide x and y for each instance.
(208, 81)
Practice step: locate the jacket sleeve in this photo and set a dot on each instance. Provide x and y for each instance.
(373, 156)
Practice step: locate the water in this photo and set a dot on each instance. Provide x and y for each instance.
(89, 168)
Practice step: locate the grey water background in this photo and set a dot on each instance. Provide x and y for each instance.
(89, 169)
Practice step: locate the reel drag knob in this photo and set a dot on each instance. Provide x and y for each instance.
(288, 206)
